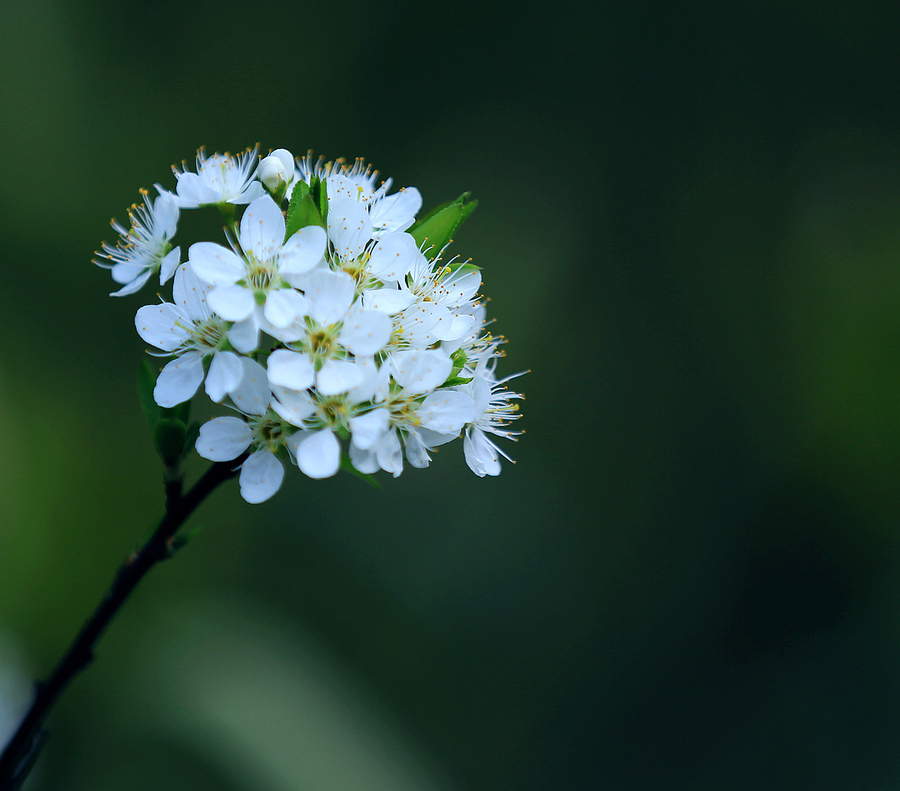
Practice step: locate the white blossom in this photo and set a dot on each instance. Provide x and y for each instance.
(145, 247)
(220, 178)
(251, 285)
(190, 332)
(345, 342)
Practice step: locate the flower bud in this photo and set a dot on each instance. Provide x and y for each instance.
(276, 170)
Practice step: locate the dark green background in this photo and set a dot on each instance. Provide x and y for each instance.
(690, 233)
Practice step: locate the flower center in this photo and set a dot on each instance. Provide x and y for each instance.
(208, 335)
(268, 431)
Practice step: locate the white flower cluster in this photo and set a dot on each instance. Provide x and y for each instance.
(330, 329)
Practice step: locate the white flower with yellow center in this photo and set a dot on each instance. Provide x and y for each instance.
(254, 288)
(221, 178)
(145, 247)
(188, 330)
(260, 431)
(325, 342)
(494, 411)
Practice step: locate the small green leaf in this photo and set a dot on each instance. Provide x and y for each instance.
(168, 436)
(438, 226)
(453, 381)
(180, 411)
(458, 358)
(146, 381)
(318, 188)
(465, 267)
(302, 211)
(347, 466)
(190, 437)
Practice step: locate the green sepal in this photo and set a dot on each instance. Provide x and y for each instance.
(302, 211)
(438, 226)
(347, 466)
(168, 437)
(146, 381)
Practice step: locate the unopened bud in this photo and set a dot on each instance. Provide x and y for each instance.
(276, 170)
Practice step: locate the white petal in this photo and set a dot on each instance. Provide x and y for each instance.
(349, 226)
(329, 294)
(416, 451)
(162, 326)
(397, 211)
(215, 264)
(481, 454)
(393, 257)
(303, 250)
(460, 288)
(290, 369)
(262, 229)
(388, 300)
(366, 429)
(193, 191)
(364, 460)
(224, 375)
(261, 476)
(168, 265)
(375, 384)
(126, 271)
(338, 376)
(318, 453)
(389, 453)
(244, 335)
(232, 303)
(165, 212)
(447, 411)
(460, 327)
(133, 286)
(179, 380)
(287, 161)
(293, 405)
(189, 293)
(283, 305)
(223, 438)
(365, 331)
(253, 394)
(252, 192)
(426, 323)
(421, 371)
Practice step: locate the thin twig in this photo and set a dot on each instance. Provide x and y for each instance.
(22, 750)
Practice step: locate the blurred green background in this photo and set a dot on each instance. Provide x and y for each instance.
(690, 233)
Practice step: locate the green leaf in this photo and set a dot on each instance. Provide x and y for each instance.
(190, 437)
(146, 381)
(168, 436)
(180, 411)
(347, 466)
(318, 188)
(302, 211)
(438, 226)
(459, 361)
(453, 381)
